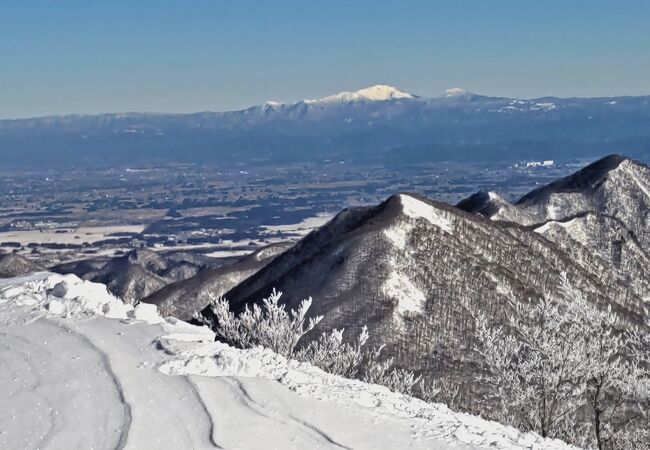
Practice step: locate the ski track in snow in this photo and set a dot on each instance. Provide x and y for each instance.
(287, 421)
(319, 435)
(50, 379)
(126, 421)
(204, 407)
(78, 379)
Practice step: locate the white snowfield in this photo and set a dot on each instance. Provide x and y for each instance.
(81, 370)
(378, 92)
(397, 285)
(415, 208)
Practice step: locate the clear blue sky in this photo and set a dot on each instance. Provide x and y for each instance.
(59, 56)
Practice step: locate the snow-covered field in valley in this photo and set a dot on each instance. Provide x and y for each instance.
(81, 370)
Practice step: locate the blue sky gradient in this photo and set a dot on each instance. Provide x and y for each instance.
(85, 56)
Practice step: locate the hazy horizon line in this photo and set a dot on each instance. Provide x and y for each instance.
(291, 102)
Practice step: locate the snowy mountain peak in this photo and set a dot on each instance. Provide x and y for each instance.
(382, 92)
(460, 94)
(627, 165)
(416, 209)
(455, 92)
(492, 205)
(480, 201)
(588, 178)
(378, 92)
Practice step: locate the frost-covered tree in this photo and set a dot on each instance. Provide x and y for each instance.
(400, 380)
(562, 368)
(354, 360)
(269, 325)
(375, 370)
(333, 355)
(633, 431)
(613, 372)
(445, 391)
(272, 326)
(535, 368)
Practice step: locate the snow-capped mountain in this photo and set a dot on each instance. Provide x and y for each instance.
(378, 123)
(614, 186)
(373, 98)
(417, 271)
(604, 206)
(378, 92)
(495, 207)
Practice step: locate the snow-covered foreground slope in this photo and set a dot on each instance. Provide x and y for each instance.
(79, 369)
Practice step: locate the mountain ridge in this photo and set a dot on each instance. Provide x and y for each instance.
(604, 206)
(417, 272)
(580, 180)
(376, 92)
(12, 265)
(138, 273)
(377, 124)
(184, 297)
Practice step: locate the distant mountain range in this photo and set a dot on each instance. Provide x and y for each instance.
(139, 273)
(13, 265)
(178, 283)
(183, 298)
(378, 124)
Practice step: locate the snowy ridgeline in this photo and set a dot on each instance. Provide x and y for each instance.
(80, 369)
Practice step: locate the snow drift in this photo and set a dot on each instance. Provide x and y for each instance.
(80, 369)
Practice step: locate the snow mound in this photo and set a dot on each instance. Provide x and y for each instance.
(62, 295)
(121, 365)
(68, 296)
(147, 313)
(428, 420)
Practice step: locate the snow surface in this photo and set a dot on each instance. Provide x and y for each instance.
(415, 208)
(632, 170)
(409, 298)
(378, 92)
(575, 228)
(455, 92)
(398, 235)
(78, 369)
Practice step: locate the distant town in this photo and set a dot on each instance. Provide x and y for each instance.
(57, 215)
